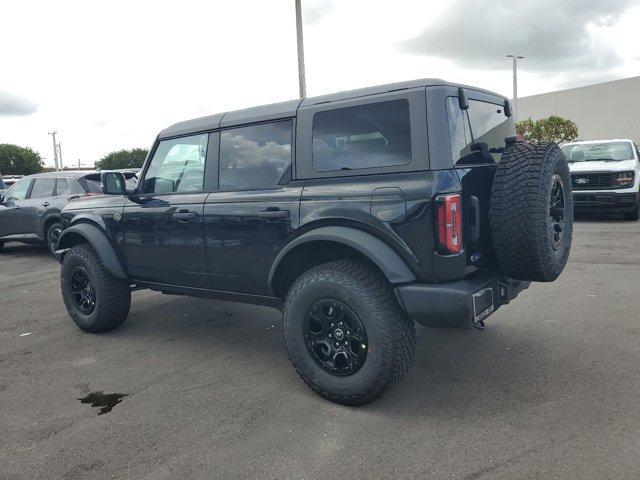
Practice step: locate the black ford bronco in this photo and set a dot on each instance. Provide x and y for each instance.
(356, 213)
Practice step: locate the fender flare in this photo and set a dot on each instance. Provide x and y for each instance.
(100, 243)
(387, 260)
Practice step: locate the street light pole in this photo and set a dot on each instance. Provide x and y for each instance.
(515, 84)
(55, 149)
(301, 78)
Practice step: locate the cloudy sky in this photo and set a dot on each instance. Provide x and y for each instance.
(110, 75)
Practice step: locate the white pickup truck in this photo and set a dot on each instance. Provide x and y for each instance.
(605, 176)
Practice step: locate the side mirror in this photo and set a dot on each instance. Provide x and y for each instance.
(113, 183)
(462, 99)
(2, 197)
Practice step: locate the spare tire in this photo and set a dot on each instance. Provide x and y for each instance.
(532, 212)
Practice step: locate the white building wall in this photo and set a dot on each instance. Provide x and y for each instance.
(601, 111)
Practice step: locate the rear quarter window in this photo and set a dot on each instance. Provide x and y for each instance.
(363, 136)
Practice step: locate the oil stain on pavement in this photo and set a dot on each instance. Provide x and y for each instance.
(105, 400)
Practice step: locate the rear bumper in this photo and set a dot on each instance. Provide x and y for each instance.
(452, 304)
(603, 201)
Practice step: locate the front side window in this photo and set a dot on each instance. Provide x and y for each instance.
(177, 165)
(43, 188)
(18, 191)
(364, 136)
(483, 124)
(255, 157)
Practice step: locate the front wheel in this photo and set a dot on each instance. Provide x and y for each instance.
(96, 300)
(346, 334)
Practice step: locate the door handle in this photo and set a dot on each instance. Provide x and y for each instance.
(274, 213)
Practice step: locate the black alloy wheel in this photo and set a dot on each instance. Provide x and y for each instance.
(53, 236)
(83, 291)
(556, 211)
(335, 337)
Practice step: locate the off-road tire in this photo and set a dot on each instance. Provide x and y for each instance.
(520, 212)
(113, 295)
(635, 215)
(390, 332)
(50, 231)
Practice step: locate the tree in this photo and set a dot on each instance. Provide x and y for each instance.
(550, 129)
(15, 160)
(133, 158)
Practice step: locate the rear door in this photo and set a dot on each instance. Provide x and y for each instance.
(477, 136)
(254, 208)
(11, 213)
(163, 222)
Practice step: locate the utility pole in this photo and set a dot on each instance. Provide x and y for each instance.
(55, 149)
(515, 84)
(60, 156)
(301, 78)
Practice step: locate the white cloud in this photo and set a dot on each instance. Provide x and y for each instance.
(12, 105)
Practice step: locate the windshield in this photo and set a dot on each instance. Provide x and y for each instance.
(610, 151)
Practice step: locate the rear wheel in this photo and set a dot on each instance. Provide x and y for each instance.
(346, 334)
(1, 246)
(53, 235)
(96, 300)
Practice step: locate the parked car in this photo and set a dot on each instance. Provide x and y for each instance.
(3, 187)
(605, 175)
(342, 211)
(30, 209)
(11, 179)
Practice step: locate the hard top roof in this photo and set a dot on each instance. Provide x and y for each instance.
(275, 111)
(63, 173)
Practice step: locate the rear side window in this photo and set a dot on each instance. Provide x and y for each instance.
(364, 136)
(482, 123)
(255, 157)
(67, 186)
(177, 165)
(43, 188)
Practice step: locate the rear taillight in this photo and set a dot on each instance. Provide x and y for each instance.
(449, 213)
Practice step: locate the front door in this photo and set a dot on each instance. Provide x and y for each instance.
(163, 222)
(255, 208)
(11, 209)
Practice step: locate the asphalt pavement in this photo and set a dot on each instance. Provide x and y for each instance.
(551, 389)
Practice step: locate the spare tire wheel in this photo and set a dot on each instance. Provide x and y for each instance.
(532, 212)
